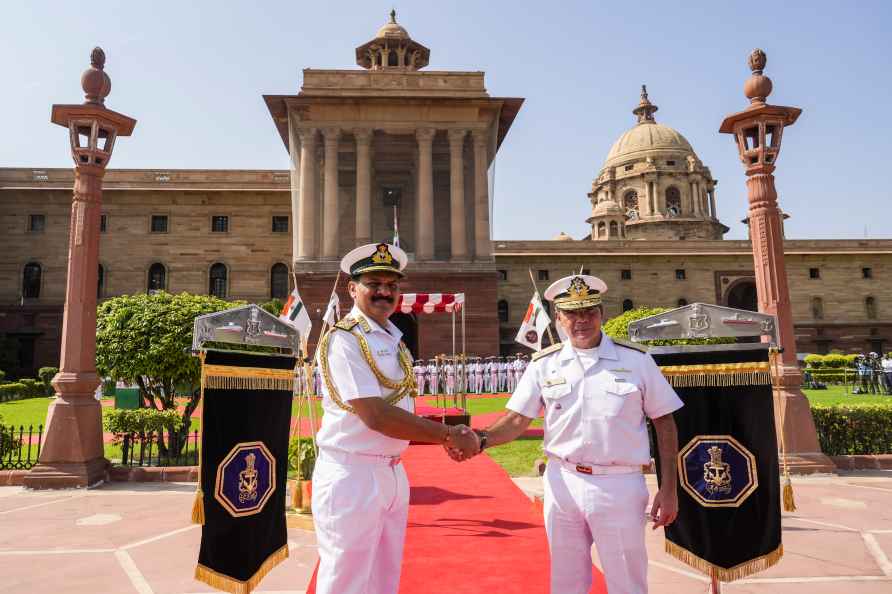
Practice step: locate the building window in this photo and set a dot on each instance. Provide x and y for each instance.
(814, 273)
(627, 305)
(625, 274)
(614, 229)
(157, 278)
(586, 271)
(602, 230)
(278, 281)
(503, 275)
(870, 305)
(629, 167)
(543, 275)
(220, 224)
(217, 281)
(630, 205)
(159, 223)
(682, 302)
(280, 224)
(673, 201)
(867, 273)
(680, 274)
(817, 308)
(503, 311)
(670, 163)
(31, 280)
(103, 223)
(100, 282)
(36, 223)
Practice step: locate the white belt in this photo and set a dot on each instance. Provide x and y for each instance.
(343, 457)
(597, 470)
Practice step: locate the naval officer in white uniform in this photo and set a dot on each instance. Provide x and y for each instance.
(360, 490)
(596, 393)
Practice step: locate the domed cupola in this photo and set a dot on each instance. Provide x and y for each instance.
(661, 189)
(392, 49)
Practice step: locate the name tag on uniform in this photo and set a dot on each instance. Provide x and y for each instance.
(554, 381)
(620, 370)
(383, 352)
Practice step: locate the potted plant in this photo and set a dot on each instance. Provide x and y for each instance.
(302, 460)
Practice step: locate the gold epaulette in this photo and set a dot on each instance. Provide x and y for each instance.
(630, 345)
(347, 324)
(547, 351)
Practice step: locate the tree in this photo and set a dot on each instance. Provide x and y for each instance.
(145, 339)
(618, 327)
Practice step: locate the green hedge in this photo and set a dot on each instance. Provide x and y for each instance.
(24, 388)
(853, 429)
(141, 420)
(301, 457)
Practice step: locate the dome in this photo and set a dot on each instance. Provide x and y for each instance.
(562, 237)
(646, 138)
(607, 208)
(392, 29)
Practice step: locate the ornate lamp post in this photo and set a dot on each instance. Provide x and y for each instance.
(757, 131)
(72, 453)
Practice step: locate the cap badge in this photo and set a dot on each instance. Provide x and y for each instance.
(578, 289)
(382, 255)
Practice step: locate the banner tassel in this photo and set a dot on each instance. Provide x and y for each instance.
(789, 502)
(198, 508)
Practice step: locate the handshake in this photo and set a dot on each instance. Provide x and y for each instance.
(462, 443)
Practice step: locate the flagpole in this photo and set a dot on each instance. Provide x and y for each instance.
(536, 289)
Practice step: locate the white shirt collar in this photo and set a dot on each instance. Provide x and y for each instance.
(606, 350)
(390, 329)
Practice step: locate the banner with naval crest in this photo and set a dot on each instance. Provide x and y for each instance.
(729, 519)
(245, 422)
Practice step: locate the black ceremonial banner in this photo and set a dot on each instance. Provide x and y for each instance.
(729, 520)
(245, 421)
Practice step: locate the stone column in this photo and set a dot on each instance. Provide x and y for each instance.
(72, 453)
(308, 206)
(331, 211)
(649, 197)
(425, 243)
(459, 234)
(482, 243)
(363, 186)
(712, 210)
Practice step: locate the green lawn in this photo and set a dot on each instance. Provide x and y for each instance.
(31, 411)
(842, 395)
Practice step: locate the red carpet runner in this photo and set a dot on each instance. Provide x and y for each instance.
(471, 530)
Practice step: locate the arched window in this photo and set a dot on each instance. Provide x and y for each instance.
(627, 304)
(157, 277)
(100, 282)
(682, 302)
(217, 281)
(278, 281)
(870, 304)
(503, 310)
(673, 201)
(630, 204)
(817, 308)
(614, 229)
(602, 230)
(31, 280)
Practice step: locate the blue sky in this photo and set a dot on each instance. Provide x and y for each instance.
(192, 74)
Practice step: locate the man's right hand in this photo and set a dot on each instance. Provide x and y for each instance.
(463, 443)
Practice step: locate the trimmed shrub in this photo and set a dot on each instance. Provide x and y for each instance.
(8, 442)
(46, 375)
(273, 306)
(618, 327)
(846, 430)
(2, 376)
(13, 391)
(140, 420)
(301, 457)
(813, 362)
(834, 361)
(850, 360)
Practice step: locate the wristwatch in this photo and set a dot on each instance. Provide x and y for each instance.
(483, 436)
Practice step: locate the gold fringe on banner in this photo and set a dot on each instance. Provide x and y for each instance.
(230, 584)
(228, 377)
(717, 375)
(737, 572)
(198, 506)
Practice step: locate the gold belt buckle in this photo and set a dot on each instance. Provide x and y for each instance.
(583, 469)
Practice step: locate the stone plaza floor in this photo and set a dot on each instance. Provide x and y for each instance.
(136, 537)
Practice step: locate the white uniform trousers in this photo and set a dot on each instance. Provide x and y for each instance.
(360, 508)
(605, 509)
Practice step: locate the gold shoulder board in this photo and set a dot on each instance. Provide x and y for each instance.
(630, 345)
(547, 351)
(347, 324)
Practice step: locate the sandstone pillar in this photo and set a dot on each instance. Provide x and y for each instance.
(757, 131)
(331, 209)
(307, 220)
(712, 210)
(72, 452)
(459, 233)
(363, 186)
(425, 243)
(294, 162)
(482, 243)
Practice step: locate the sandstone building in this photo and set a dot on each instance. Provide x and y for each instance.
(391, 142)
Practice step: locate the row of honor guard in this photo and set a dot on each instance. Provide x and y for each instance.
(492, 375)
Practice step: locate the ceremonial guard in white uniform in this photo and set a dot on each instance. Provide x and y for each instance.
(360, 490)
(419, 376)
(596, 393)
(503, 375)
(450, 378)
(478, 377)
(433, 377)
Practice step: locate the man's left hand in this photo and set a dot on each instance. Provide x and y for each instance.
(665, 508)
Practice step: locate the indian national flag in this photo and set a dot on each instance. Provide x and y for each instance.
(295, 314)
(534, 324)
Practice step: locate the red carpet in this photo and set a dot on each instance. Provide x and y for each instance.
(471, 530)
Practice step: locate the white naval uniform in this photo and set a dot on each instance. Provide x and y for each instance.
(360, 491)
(595, 404)
(433, 381)
(419, 377)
